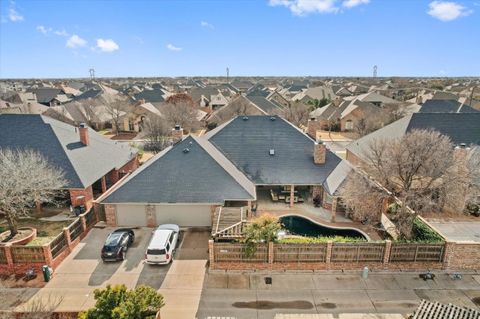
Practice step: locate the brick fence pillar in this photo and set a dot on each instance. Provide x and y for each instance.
(151, 216)
(66, 233)
(270, 252)
(47, 253)
(83, 221)
(111, 215)
(211, 254)
(448, 254)
(328, 257)
(387, 251)
(8, 256)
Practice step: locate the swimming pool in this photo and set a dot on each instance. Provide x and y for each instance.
(298, 225)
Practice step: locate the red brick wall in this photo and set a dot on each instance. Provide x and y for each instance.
(87, 200)
(111, 214)
(131, 166)
(464, 256)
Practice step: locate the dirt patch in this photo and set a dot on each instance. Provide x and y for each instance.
(268, 305)
(328, 305)
(22, 233)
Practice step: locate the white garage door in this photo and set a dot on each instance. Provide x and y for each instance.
(131, 215)
(183, 215)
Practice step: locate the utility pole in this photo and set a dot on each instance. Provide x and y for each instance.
(228, 73)
(92, 74)
(375, 71)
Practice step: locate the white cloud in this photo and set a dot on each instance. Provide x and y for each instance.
(75, 42)
(61, 33)
(205, 24)
(304, 7)
(14, 16)
(42, 29)
(354, 3)
(107, 45)
(171, 47)
(447, 11)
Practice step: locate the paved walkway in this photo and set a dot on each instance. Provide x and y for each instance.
(246, 295)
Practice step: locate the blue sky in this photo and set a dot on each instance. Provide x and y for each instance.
(60, 38)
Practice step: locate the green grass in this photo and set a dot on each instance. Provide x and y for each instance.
(40, 241)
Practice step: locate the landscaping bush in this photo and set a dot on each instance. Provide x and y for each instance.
(472, 209)
(422, 233)
(320, 240)
(261, 229)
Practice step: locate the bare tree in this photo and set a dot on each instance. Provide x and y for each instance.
(41, 308)
(363, 197)
(117, 109)
(297, 113)
(182, 114)
(26, 177)
(157, 133)
(420, 168)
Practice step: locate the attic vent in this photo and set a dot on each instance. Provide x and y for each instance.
(273, 118)
(245, 118)
(272, 152)
(186, 150)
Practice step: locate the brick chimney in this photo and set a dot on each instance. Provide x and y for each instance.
(177, 133)
(319, 152)
(83, 129)
(337, 101)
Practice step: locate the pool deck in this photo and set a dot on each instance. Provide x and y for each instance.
(316, 214)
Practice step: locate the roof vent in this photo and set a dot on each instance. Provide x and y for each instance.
(272, 118)
(272, 152)
(245, 118)
(186, 150)
(463, 145)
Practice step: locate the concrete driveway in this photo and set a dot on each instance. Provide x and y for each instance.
(458, 231)
(83, 271)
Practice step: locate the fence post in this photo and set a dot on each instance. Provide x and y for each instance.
(9, 256)
(387, 252)
(448, 254)
(66, 233)
(211, 254)
(47, 254)
(84, 222)
(328, 257)
(270, 252)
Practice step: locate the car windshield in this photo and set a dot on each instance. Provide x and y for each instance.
(155, 251)
(113, 239)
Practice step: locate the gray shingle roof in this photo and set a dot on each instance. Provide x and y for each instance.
(446, 106)
(247, 144)
(460, 127)
(337, 177)
(177, 176)
(264, 104)
(60, 144)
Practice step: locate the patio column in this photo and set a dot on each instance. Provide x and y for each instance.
(334, 208)
(292, 195)
(104, 184)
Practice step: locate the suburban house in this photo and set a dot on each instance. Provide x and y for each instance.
(238, 164)
(314, 93)
(446, 106)
(90, 162)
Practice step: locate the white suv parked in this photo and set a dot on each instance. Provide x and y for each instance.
(162, 245)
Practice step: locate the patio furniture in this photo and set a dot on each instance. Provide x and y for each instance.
(295, 199)
(273, 195)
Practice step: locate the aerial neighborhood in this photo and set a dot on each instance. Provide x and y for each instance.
(249, 174)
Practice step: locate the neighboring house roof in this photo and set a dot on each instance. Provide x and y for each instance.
(190, 171)
(265, 105)
(376, 98)
(441, 95)
(89, 94)
(60, 144)
(46, 95)
(318, 92)
(446, 106)
(152, 96)
(460, 127)
(247, 142)
(335, 181)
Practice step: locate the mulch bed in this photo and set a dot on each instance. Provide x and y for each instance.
(22, 233)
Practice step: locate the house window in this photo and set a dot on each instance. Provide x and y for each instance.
(131, 126)
(349, 125)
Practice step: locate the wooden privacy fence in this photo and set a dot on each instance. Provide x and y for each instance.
(238, 253)
(58, 245)
(299, 253)
(357, 252)
(343, 255)
(417, 252)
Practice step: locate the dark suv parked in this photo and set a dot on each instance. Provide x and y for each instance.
(116, 244)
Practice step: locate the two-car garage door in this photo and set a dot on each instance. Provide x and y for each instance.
(182, 215)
